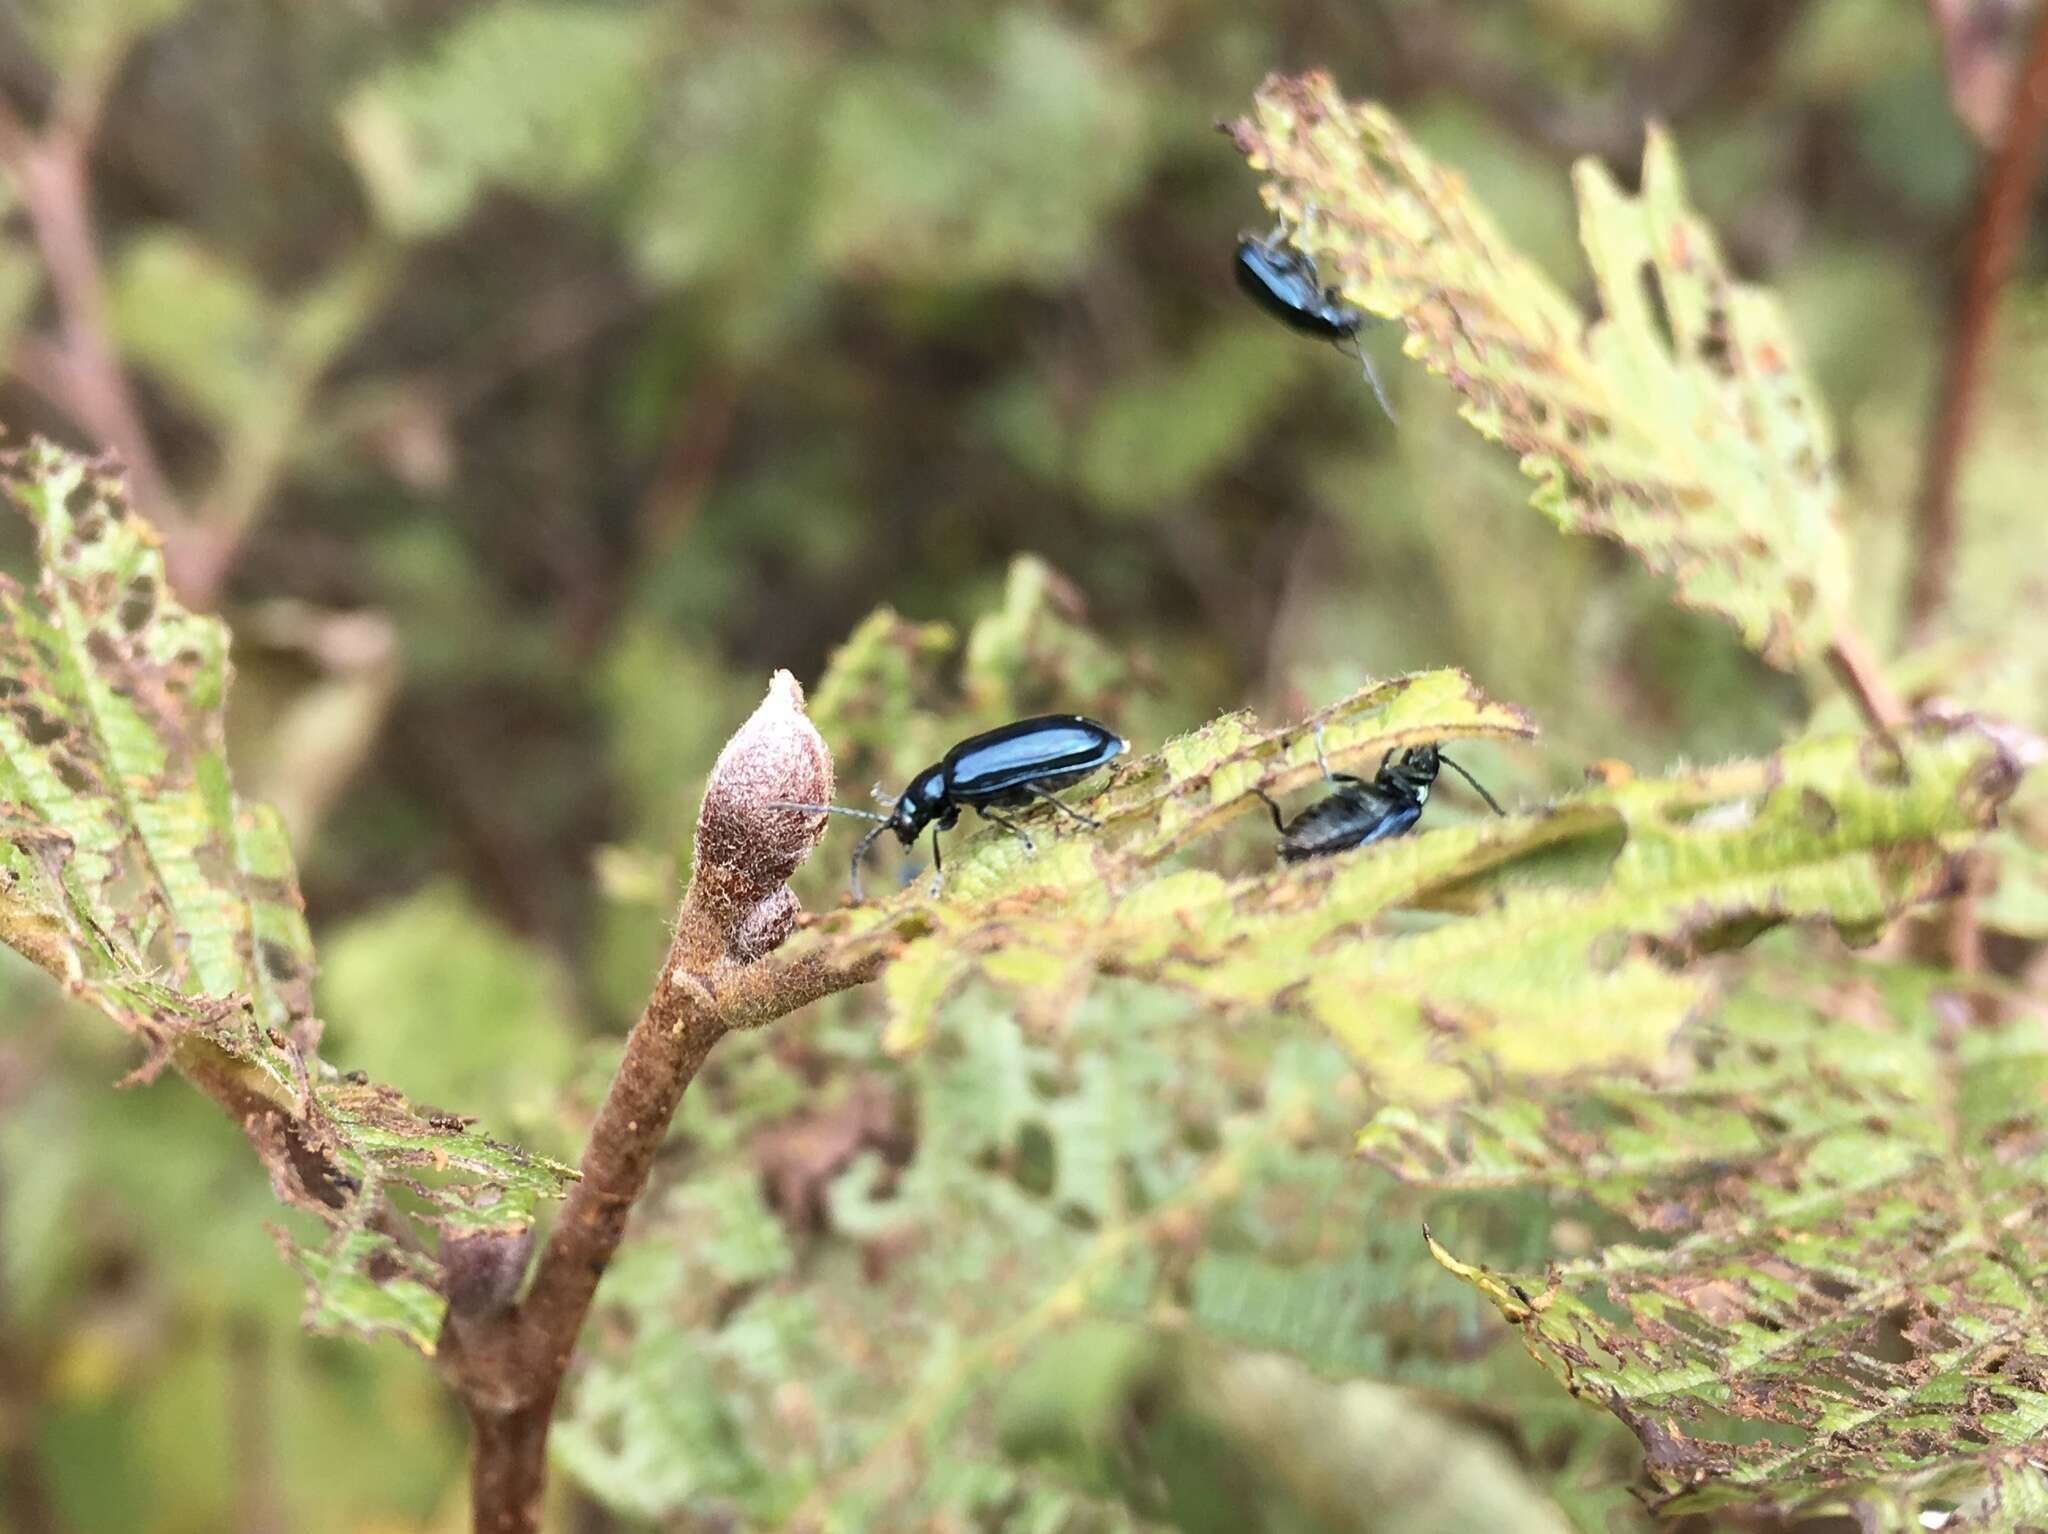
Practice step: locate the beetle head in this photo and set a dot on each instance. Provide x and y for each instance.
(1415, 770)
(920, 804)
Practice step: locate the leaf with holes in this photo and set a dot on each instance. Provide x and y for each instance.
(1834, 1299)
(131, 872)
(1573, 923)
(1680, 422)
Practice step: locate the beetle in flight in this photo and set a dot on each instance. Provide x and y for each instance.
(1282, 279)
(1000, 769)
(1359, 813)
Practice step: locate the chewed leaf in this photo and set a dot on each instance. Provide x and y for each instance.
(1835, 1303)
(1164, 802)
(1680, 423)
(1579, 918)
(1207, 777)
(1553, 978)
(1034, 654)
(132, 873)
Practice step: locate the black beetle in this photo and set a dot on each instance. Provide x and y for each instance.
(1359, 813)
(1000, 769)
(1282, 280)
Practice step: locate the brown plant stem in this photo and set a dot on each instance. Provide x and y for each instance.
(78, 369)
(26, 1503)
(81, 371)
(509, 1367)
(1861, 674)
(259, 1505)
(1999, 222)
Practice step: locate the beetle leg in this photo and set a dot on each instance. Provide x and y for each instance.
(938, 865)
(1063, 807)
(1278, 824)
(1323, 762)
(1011, 826)
(859, 856)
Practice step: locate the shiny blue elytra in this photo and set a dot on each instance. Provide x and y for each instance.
(1284, 282)
(1006, 768)
(1359, 813)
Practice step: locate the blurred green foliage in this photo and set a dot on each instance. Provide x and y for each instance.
(609, 353)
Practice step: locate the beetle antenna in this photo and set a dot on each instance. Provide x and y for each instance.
(1372, 377)
(826, 809)
(1474, 782)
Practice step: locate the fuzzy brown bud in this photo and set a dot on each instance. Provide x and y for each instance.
(481, 1270)
(747, 847)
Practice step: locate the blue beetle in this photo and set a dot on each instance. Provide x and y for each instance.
(1282, 280)
(1359, 813)
(1000, 769)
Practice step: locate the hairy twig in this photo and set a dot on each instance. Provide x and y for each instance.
(507, 1361)
(1997, 225)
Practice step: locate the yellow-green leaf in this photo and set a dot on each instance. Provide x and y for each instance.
(1679, 421)
(1834, 1303)
(132, 872)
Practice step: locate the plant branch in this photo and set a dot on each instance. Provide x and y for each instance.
(25, 1498)
(1999, 222)
(507, 1360)
(509, 1367)
(1863, 676)
(82, 372)
(687, 1014)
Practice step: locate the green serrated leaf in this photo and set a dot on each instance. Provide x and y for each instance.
(1834, 1305)
(1555, 978)
(885, 672)
(915, 986)
(1680, 423)
(1208, 775)
(135, 876)
(342, 1297)
(1033, 655)
(1576, 913)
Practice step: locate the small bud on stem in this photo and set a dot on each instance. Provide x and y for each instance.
(507, 1356)
(481, 1270)
(748, 846)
